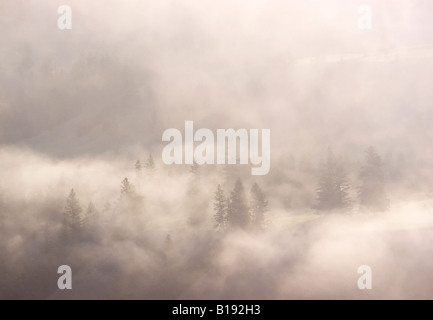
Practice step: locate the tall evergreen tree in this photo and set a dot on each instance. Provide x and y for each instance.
(237, 209)
(72, 216)
(372, 193)
(131, 201)
(342, 188)
(220, 207)
(333, 185)
(228, 213)
(150, 164)
(126, 188)
(91, 216)
(259, 206)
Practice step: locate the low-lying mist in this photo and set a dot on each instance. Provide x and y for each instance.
(82, 182)
(164, 243)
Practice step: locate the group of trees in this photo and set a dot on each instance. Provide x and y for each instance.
(333, 190)
(149, 164)
(234, 211)
(237, 211)
(76, 225)
(73, 222)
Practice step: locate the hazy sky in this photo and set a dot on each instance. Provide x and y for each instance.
(220, 64)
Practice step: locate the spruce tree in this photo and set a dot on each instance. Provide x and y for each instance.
(325, 188)
(228, 213)
(259, 206)
(220, 207)
(150, 164)
(126, 188)
(131, 201)
(138, 165)
(372, 193)
(72, 216)
(238, 210)
(91, 216)
(342, 188)
(333, 185)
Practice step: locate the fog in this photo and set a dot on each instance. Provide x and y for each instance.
(79, 107)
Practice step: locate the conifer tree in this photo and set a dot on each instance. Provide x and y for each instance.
(238, 212)
(333, 185)
(72, 216)
(372, 193)
(220, 207)
(150, 164)
(91, 216)
(126, 188)
(342, 188)
(259, 206)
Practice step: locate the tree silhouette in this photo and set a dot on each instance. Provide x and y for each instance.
(372, 193)
(342, 188)
(220, 207)
(126, 188)
(72, 219)
(259, 206)
(228, 214)
(150, 164)
(237, 212)
(333, 185)
(131, 201)
(90, 217)
(138, 165)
